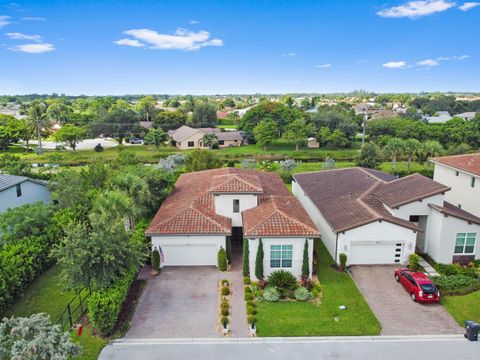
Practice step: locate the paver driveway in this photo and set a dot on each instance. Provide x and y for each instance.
(397, 313)
(180, 302)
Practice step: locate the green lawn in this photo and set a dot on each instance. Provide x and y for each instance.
(308, 319)
(466, 307)
(223, 126)
(47, 295)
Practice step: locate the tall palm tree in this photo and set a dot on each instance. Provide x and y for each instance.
(394, 148)
(38, 119)
(411, 149)
(432, 148)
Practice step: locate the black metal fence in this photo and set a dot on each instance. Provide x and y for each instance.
(75, 309)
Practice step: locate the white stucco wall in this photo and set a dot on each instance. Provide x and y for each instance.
(188, 250)
(329, 238)
(31, 192)
(196, 138)
(224, 206)
(462, 193)
(419, 207)
(297, 255)
(441, 236)
(378, 232)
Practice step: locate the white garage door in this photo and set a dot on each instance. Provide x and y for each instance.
(375, 253)
(189, 255)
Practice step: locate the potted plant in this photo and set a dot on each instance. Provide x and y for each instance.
(224, 322)
(155, 262)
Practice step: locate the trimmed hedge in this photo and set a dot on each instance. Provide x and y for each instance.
(456, 284)
(104, 305)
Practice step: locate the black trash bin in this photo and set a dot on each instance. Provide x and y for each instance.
(472, 329)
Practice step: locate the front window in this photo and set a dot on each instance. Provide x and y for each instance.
(19, 190)
(191, 144)
(221, 142)
(281, 256)
(465, 243)
(236, 205)
(473, 181)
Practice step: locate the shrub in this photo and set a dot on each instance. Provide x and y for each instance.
(250, 303)
(247, 289)
(245, 259)
(259, 261)
(155, 260)
(302, 294)
(224, 320)
(224, 311)
(271, 294)
(251, 310)
(222, 259)
(251, 319)
(104, 305)
(246, 280)
(316, 289)
(414, 262)
(343, 260)
(255, 291)
(248, 296)
(455, 269)
(224, 303)
(225, 282)
(262, 283)
(307, 283)
(225, 291)
(456, 284)
(99, 148)
(282, 280)
(305, 264)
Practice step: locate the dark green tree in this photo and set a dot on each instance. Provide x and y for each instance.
(259, 261)
(305, 263)
(246, 258)
(222, 259)
(204, 115)
(370, 156)
(202, 160)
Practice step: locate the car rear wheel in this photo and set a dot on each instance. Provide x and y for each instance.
(397, 278)
(414, 298)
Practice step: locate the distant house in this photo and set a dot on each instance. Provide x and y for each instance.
(439, 118)
(222, 114)
(467, 116)
(312, 143)
(186, 137)
(20, 190)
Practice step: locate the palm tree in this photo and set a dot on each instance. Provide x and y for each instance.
(411, 149)
(209, 140)
(431, 149)
(37, 119)
(394, 148)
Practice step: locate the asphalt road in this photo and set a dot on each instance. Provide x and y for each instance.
(367, 348)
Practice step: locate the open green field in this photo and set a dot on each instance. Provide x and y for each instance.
(293, 318)
(466, 307)
(48, 295)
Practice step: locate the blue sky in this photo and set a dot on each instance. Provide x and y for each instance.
(220, 47)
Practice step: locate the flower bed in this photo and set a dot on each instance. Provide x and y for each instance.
(224, 293)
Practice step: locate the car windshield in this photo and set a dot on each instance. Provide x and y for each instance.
(428, 288)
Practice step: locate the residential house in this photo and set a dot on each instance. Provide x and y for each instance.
(20, 190)
(439, 118)
(312, 143)
(467, 116)
(207, 208)
(375, 218)
(186, 137)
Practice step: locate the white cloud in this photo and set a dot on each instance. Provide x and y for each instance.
(461, 57)
(395, 65)
(20, 36)
(468, 6)
(427, 62)
(290, 54)
(33, 18)
(4, 20)
(415, 9)
(129, 42)
(194, 22)
(34, 48)
(323, 66)
(182, 39)
(448, 58)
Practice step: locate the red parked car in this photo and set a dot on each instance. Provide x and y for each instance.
(418, 285)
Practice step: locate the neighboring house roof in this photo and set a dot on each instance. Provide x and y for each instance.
(278, 216)
(352, 197)
(467, 115)
(451, 210)
(7, 181)
(190, 207)
(442, 116)
(229, 135)
(146, 124)
(184, 132)
(467, 162)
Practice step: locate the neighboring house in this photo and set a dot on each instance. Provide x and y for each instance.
(207, 207)
(462, 174)
(375, 218)
(467, 116)
(439, 118)
(20, 190)
(186, 137)
(222, 114)
(312, 143)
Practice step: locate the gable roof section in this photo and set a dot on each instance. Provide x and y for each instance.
(182, 133)
(452, 210)
(233, 183)
(278, 216)
(7, 181)
(352, 197)
(467, 162)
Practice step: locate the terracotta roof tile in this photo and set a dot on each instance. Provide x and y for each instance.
(467, 162)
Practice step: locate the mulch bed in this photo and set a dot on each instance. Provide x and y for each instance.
(129, 305)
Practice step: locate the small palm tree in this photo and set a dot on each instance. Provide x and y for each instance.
(38, 119)
(394, 148)
(209, 140)
(431, 149)
(412, 147)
